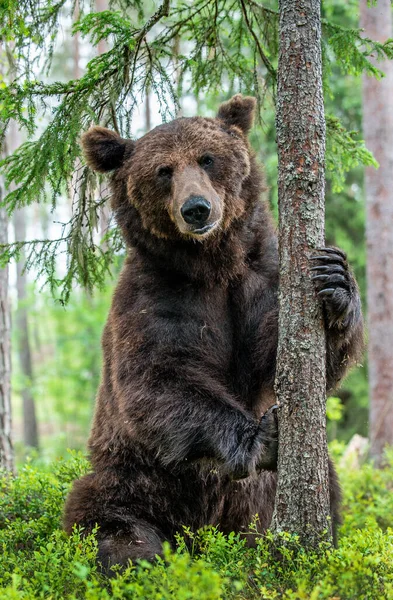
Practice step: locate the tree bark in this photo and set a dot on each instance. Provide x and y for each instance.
(378, 133)
(6, 451)
(76, 69)
(147, 111)
(102, 5)
(302, 499)
(30, 430)
(104, 213)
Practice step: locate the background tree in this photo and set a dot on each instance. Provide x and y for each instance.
(104, 215)
(378, 130)
(30, 428)
(6, 450)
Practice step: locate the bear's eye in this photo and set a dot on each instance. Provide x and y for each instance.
(165, 172)
(206, 161)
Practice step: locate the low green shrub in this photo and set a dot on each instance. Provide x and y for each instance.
(368, 496)
(37, 560)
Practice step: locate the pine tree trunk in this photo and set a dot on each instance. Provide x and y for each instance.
(30, 431)
(302, 499)
(378, 133)
(6, 452)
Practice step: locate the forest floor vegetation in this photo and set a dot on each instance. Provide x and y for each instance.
(38, 560)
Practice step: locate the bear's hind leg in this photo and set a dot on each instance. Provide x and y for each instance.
(118, 546)
(123, 532)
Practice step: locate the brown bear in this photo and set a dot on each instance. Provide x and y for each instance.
(182, 434)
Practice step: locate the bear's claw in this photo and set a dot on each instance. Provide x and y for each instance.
(335, 285)
(269, 430)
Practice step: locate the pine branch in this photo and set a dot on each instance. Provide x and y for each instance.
(261, 53)
(344, 151)
(352, 49)
(227, 44)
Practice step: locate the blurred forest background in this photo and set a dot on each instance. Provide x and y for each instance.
(58, 307)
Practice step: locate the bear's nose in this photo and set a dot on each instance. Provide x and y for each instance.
(196, 210)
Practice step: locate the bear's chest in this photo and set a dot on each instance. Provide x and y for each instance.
(225, 331)
(254, 343)
(236, 330)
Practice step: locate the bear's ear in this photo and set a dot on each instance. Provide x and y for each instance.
(238, 111)
(104, 149)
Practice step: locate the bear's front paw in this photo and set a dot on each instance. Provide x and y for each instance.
(268, 427)
(336, 286)
(258, 451)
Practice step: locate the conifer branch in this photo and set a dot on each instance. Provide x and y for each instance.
(225, 41)
(261, 53)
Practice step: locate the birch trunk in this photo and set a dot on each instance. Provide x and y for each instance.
(378, 133)
(104, 212)
(302, 500)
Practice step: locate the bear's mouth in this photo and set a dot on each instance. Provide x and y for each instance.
(203, 230)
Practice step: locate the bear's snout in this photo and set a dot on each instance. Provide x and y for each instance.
(196, 207)
(196, 211)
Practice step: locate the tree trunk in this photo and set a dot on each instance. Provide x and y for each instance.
(74, 185)
(30, 431)
(102, 5)
(6, 451)
(104, 213)
(76, 70)
(176, 62)
(302, 499)
(147, 111)
(378, 132)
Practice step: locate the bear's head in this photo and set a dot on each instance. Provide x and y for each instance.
(184, 178)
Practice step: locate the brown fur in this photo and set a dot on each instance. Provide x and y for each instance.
(190, 343)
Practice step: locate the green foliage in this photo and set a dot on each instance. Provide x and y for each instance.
(206, 47)
(344, 152)
(334, 408)
(368, 501)
(30, 503)
(352, 50)
(39, 561)
(66, 366)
